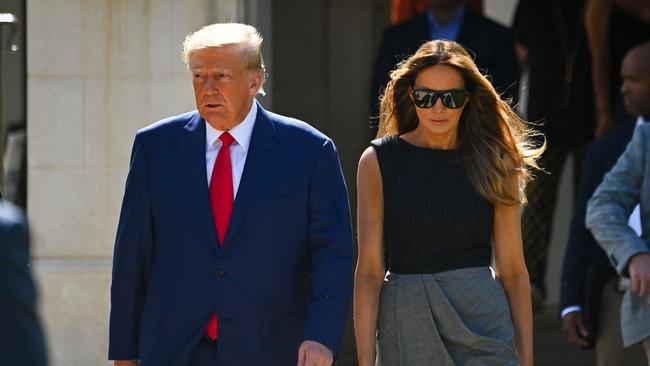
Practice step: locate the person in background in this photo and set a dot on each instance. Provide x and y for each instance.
(626, 186)
(590, 297)
(553, 47)
(22, 342)
(441, 185)
(613, 28)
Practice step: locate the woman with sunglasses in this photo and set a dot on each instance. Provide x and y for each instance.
(441, 187)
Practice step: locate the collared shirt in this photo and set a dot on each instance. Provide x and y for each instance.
(449, 30)
(635, 217)
(238, 150)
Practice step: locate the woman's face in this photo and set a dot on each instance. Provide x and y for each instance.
(440, 122)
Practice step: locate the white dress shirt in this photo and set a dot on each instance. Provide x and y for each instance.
(635, 217)
(238, 150)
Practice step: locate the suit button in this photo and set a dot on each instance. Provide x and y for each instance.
(221, 273)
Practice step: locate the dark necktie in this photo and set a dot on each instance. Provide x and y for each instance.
(221, 200)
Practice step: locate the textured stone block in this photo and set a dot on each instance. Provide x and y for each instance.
(70, 213)
(74, 302)
(54, 128)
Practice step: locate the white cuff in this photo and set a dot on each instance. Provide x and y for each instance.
(570, 309)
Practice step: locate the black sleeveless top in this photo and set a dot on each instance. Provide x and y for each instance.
(434, 219)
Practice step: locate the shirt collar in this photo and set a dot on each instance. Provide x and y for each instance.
(242, 132)
(456, 18)
(641, 120)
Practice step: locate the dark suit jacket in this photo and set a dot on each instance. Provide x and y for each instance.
(492, 43)
(586, 267)
(22, 340)
(283, 273)
(547, 29)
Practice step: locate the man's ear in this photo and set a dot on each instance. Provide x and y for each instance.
(255, 81)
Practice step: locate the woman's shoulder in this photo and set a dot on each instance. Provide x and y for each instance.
(385, 141)
(383, 150)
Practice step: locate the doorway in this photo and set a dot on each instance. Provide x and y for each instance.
(13, 122)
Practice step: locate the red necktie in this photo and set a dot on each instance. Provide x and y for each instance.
(221, 200)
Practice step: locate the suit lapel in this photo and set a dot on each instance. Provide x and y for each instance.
(261, 153)
(192, 148)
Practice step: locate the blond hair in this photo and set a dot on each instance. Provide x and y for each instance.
(245, 38)
(492, 140)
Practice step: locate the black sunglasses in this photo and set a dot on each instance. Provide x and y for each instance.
(427, 98)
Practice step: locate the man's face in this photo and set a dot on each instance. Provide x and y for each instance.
(636, 85)
(223, 88)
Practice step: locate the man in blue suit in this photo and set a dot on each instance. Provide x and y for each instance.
(591, 292)
(589, 298)
(234, 245)
(626, 186)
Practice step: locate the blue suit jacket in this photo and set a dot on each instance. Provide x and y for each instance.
(20, 331)
(586, 268)
(283, 273)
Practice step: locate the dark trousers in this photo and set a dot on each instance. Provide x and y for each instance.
(538, 213)
(205, 353)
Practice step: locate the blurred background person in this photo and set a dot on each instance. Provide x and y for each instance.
(552, 45)
(613, 28)
(623, 188)
(20, 330)
(590, 298)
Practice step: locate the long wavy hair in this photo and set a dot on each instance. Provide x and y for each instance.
(493, 141)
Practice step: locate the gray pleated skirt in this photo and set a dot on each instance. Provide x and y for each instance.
(458, 317)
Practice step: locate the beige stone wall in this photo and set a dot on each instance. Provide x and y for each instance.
(98, 71)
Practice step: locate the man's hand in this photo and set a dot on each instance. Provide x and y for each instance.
(126, 363)
(639, 269)
(574, 329)
(313, 353)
